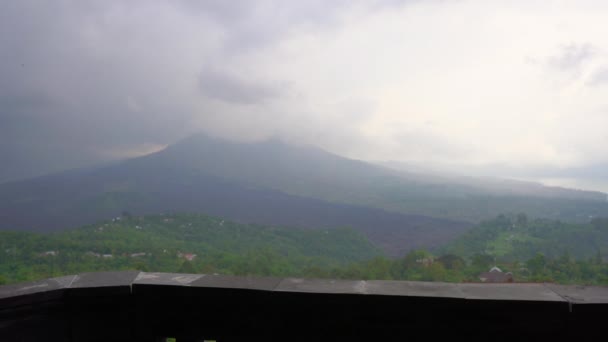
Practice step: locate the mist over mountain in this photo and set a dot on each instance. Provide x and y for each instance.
(495, 179)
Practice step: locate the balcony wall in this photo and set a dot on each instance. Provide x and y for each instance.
(139, 306)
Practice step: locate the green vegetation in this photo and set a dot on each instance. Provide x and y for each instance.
(532, 250)
(539, 250)
(452, 268)
(165, 243)
(516, 238)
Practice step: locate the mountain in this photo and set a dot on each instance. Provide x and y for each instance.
(185, 179)
(311, 172)
(275, 183)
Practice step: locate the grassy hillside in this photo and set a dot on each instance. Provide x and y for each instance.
(516, 237)
(164, 243)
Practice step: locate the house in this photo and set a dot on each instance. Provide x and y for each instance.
(426, 262)
(496, 275)
(187, 256)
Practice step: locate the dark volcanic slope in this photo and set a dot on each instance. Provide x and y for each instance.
(142, 186)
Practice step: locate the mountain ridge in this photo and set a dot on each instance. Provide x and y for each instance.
(271, 182)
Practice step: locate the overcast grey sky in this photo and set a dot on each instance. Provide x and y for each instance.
(519, 84)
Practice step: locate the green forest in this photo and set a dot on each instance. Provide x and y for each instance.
(532, 250)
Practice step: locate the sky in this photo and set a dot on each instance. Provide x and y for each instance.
(508, 88)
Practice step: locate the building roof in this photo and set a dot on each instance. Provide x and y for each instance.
(496, 277)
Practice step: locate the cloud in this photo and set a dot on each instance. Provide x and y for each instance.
(248, 25)
(599, 77)
(123, 152)
(572, 56)
(237, 89)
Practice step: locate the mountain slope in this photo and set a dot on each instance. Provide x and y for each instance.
(272, 182)
(277, 164)
(311, 172)
(154, 184)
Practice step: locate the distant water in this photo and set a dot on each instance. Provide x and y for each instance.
(577, 183)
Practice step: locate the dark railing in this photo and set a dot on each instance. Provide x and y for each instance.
(139, 306)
